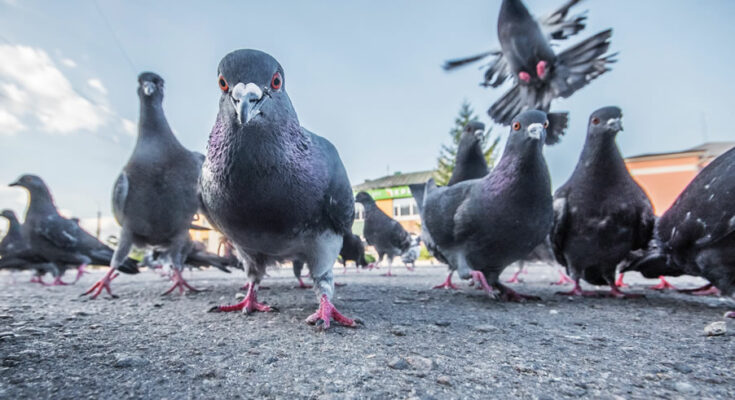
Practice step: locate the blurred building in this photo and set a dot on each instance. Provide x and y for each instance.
(664, 175)
(392, 196)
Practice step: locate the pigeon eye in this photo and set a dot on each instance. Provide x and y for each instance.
(595, 121)
(276, 81)
(546, 124)
(516, 126)
(223, 83)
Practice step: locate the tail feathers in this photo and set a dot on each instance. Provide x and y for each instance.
(651, 264)
(206, 259)
(417, 191)
(104, 257)
(129, 266)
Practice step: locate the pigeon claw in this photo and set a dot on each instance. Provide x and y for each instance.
(326, 313)
(663, 284)
(102, 284)
(447, 284)
(563, 279)
(80, 271)
(619, 283)
(248, 305)
(479, 277)
(730, 314)
(302, 285)
(577, 291)
(180, 283)
(706, 290)
(616, 293)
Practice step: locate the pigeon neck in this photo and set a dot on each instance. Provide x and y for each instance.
(41, 202)
(13, 225)
(153, 121)
(601, 156)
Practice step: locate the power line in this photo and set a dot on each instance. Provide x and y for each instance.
(115, 38)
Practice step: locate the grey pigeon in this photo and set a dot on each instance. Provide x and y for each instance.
(276, 190)
(696, 235)
(600, 213)
(13, 240)
(13, 243)
(483, 225)
(383, 232)
(540, 254)
(353, 250)
(155, 197)
(540, 75)
(413, 253)
(60, 240)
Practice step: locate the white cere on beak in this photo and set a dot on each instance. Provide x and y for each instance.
(615, 124)
(246, 100)
(534, 130)
(148, 88)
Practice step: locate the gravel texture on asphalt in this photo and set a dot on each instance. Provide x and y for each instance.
(415, 343)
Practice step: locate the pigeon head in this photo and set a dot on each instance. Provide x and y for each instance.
(253, 89)
(33, 183)
(606, 121)
(9, 214)
(364, 199)
(150, 86)
(529, 126)
(474, 129)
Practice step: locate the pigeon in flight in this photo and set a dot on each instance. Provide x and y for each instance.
(276, 190)
(696, 235)
(483, 225)
(600, 213)
(383, 232)
(155, 197)
(540, 75)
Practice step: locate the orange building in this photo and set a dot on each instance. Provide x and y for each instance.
(664, 175)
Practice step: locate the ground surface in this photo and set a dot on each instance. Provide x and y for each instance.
(416, 342)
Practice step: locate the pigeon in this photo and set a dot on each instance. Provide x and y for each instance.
(353, 250)
(540, 254)
(539, 74)
(276, 190)
(600, 214)
(483, 225)
(470, 161)
(412, 254)
(14, 242)
(696, 235)
(55, 239)
(383, 232)
(155, 197)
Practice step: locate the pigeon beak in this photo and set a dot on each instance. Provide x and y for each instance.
(247, 100)
(615, 124)
(535, 130)
(16, 183)
(148, 88)
(479, 133)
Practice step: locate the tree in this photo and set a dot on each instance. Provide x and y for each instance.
(448, 153)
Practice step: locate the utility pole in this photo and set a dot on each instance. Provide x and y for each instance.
(99, 223)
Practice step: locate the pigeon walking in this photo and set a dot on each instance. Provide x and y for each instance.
(353, 250)
(155, 197)
(696, 235)
(540, 75)
(383, 232)
(14, 244)
(483, 225)
(60, 240)
(412, 254)
(276, 190)
(600, 213)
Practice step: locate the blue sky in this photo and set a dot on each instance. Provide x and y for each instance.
(364, 74)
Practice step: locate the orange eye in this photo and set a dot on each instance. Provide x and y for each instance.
(516, 126)
(276, 81)
(596, 121)
(223, 83)
(546, 124)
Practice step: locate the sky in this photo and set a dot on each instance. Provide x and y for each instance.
(364, 74)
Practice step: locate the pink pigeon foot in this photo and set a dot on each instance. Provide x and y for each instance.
(37, 279)
(524, 76)
(541, 69)
(730, 314)
(479, 277)
(302, 285)
(180, 283)
(411, 269)
(514, 278)
(577, 291)
(388, 273)
(563, 279)
(447, 283)
(326, 313)
(248, 305)
(706, 290)
(103, 284)
(663, 284)
(616, 293)
(619, 283)
(57, 282)
(80, 272)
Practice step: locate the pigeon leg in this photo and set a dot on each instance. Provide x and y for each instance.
(706, 290)
(663, 284)
(248, 305)
(447, 283)
(514, 278)
(121, 253)
(180, 283)
(103, 284)
(577, 291)
(411, 268)
(619, 283)
(508, 294)
(730, 314)
(390, 263)
(328, 312)
(563, 279)
(37, 279)
(80, 272)
(302, 285)
(298, 266)
(479, 277)
(616, 293)
(58, 282)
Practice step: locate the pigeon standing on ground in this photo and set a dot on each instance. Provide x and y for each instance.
(353, 250)
(696, 235)
(155, 197)
(600, 213)
(483, 225)
(276, 190)
(412, 254)
(469, 164)
(60, 240)
(539, 73)
(14, 242)
(383, 232)
(540, 254)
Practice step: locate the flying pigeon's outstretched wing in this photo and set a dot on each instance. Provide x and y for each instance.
(559, 25)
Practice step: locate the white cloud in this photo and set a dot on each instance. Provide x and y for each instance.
(9, 124)
(14, 199)
(68, 62)
(97, 84)
(36, 93)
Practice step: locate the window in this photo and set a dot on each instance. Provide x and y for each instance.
(359, 212)
(405, 208)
